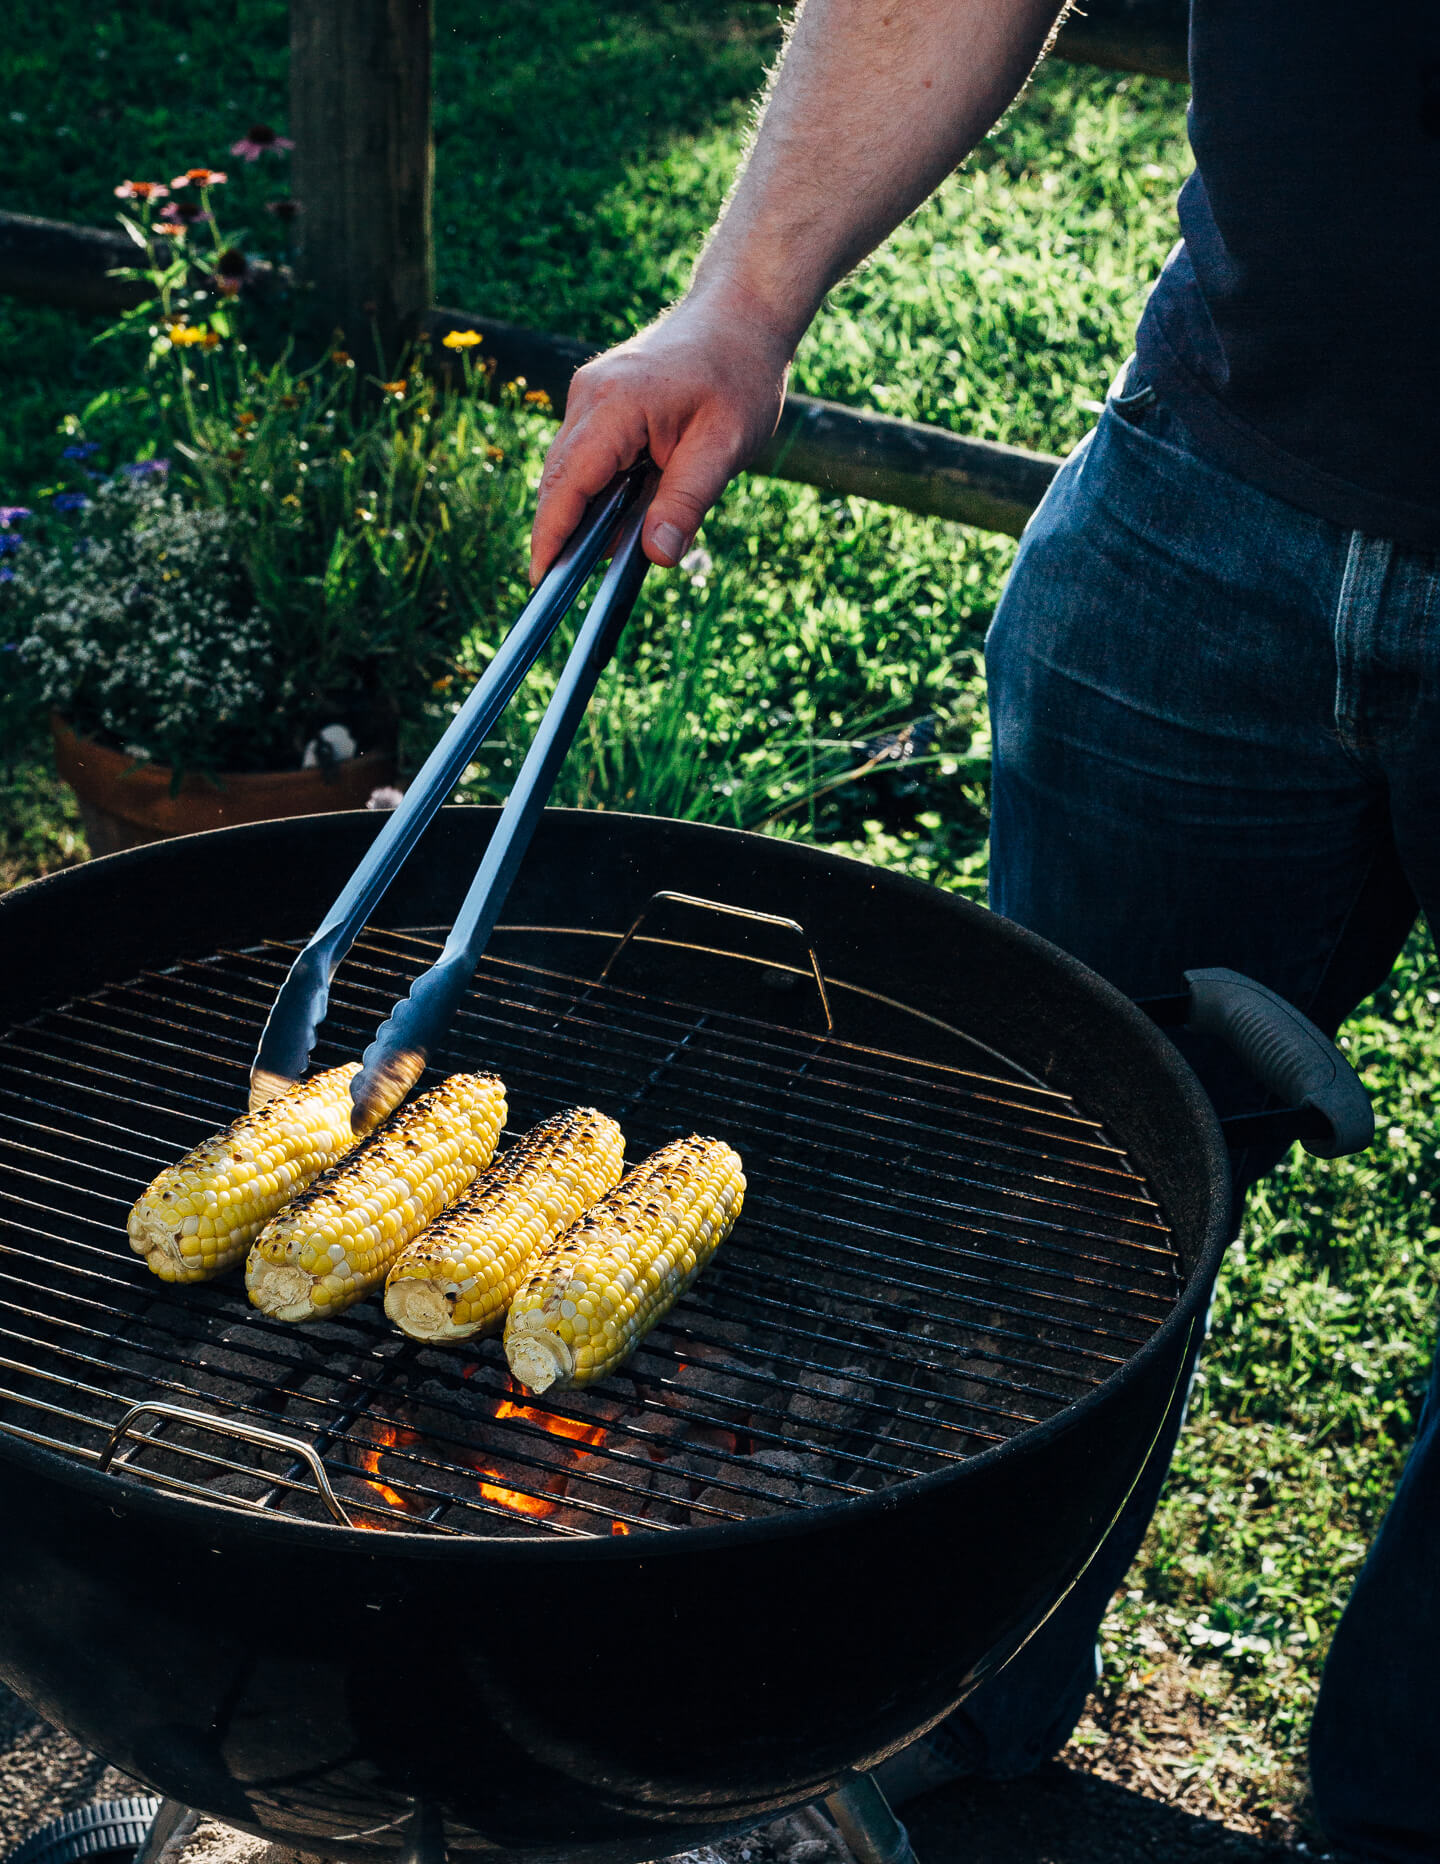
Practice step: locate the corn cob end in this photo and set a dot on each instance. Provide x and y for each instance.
(281, 1290)
(152, 1237)
(420, 1308)
(537, 1357)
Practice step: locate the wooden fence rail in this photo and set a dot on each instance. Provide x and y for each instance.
(360, 110)
(820, 443)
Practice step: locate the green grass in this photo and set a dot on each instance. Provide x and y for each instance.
(581, 152)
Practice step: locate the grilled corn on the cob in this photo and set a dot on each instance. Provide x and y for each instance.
(199, 1217)
(593, 1295)
(334, 1244)
(460, 1275)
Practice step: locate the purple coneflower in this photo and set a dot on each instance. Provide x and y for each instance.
(260, 140)
(182, 214)
(141, 191)
(231, 270)
(200, 178)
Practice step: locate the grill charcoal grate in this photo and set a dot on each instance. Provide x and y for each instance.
(932, 1259)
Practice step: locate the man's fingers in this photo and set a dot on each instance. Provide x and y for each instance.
(696, 473)
(581, 463)
(559, 511)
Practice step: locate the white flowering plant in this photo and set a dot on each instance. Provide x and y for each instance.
(320, 548)
(131, 615)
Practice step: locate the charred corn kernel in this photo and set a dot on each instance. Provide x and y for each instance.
(199, 1217)
(335, 1243)
(595, 1292)
(458, 1278)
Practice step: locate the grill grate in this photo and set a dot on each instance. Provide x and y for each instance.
(931, 1260)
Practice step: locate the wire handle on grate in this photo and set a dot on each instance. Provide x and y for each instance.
(733, 912)
(225, 1427)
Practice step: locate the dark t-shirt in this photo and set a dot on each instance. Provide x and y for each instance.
(1294, 329)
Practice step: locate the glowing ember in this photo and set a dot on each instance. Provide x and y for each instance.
(570, 1427)
(513, 1498)
(388, 1437)
(618, 1527)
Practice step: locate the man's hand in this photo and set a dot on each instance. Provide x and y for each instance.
(873, 105)
(701, 391)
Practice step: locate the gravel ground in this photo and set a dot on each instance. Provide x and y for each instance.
(1062, 1816)
(1057, 1816)
(44, 1773)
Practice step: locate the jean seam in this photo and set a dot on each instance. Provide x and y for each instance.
(1367, 564)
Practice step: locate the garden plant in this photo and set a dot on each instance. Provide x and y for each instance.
(815, 668)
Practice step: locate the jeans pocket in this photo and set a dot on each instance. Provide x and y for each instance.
(1136, 399)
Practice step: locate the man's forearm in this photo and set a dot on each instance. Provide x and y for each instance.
(874, 103)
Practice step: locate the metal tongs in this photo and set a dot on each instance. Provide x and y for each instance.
(396, 1058)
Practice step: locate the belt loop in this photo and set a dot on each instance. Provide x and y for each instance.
(1357, 611)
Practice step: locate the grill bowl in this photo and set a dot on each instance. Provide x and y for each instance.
(622, 1696)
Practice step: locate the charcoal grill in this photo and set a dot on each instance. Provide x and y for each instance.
(312, 1578)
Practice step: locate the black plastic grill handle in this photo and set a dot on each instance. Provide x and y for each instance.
(1287, 1054)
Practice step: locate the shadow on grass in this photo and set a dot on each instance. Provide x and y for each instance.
(1059, 1816)
(543, 109)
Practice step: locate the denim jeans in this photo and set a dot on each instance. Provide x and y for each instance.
(1217, 742)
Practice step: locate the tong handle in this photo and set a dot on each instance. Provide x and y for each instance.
(407, 1038)
(300, 1006)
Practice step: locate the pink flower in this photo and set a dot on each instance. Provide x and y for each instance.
(259, 140)
(183, 213)
(200, 178)
(141, 191)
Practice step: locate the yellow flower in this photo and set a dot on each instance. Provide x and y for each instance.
(186, 336)
(342, 357)
(461, 339)
(537, 398)
(394, 388)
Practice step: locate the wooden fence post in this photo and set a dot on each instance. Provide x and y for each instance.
(364, 167)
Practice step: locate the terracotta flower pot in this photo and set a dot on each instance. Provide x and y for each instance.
(123, 804)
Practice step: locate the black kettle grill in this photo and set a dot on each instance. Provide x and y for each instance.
(312, 1579)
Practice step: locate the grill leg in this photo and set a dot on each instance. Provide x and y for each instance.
(867, 1824)
(172, 1825)
(424, 1836)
